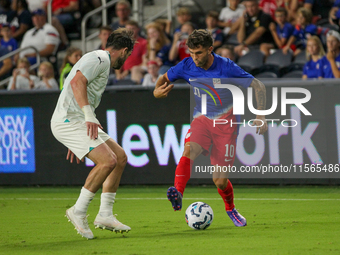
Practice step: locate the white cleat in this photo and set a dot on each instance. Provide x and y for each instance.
(110, 223)
(80, 223)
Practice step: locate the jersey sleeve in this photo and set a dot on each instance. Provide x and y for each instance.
(176, 72)
(238, 76)
(92, 65)
(52, 36)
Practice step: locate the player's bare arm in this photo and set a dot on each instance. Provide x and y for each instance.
(260, 94)
(79, 88)
(162, 87)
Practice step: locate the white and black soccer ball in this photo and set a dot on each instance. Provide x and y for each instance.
(199, 215)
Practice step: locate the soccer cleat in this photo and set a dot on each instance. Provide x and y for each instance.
(237, 218)
(175, 197)
(110, 223)
(80, 223)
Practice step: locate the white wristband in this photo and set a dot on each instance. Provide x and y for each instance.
(89, 116)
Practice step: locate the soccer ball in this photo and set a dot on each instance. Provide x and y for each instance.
(199, 215)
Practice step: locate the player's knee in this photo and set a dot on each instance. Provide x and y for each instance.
(110, 163)
(221, 183)
(122, 159)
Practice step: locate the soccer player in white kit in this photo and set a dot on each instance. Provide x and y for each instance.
(74, 124)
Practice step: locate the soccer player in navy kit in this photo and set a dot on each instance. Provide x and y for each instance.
(203, 63)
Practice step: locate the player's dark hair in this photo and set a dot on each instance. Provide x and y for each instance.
(121, 38)
(200, 37)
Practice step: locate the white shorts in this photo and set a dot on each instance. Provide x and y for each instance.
(74, 136)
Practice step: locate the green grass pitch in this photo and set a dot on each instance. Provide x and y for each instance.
(281, 220)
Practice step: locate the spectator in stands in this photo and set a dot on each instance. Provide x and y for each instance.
(314, 53)
(330, 64)
(230, 16)
(21, 78)
(183, 15)
(104, 33)
(226, 51)
(152, 76)
(291, 6)
(72, 56)
(44, 37)
(64, 12)
(123, 11)
(211, 22)
(133, 64)
(6, 64)
(254, 30)
(7, 40)
(6, 13)
(179, 50)
(334, 14)
(46, 75)
(320, 8)
(282, 30)
(166, 25)
(303, 30)
(22, 22)
(158, 47)
(36, 4)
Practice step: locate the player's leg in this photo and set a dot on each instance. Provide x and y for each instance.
(222, 157)
(74, 136)
(105, 161)
(182, 173)
(105, 218)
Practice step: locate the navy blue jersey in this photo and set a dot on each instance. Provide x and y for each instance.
(325, 69)
(302, 34)
(222, 71)
(311, 69)
(286, 31)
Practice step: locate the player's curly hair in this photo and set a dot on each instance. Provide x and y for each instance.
(200, 37)
(121, 38)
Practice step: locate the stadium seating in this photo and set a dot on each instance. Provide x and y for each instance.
(293, 74)
(266, 75)
(278, 62)
(252, 61)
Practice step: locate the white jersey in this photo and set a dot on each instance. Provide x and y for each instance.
(228, 15)
(95, 66)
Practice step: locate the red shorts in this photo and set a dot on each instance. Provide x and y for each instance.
(222, 137)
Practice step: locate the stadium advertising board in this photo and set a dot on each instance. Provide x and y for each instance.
(17, 150)
(152, 131)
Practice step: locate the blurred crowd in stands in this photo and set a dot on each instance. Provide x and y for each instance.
(268, 38)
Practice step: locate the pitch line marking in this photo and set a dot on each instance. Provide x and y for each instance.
(187, 198)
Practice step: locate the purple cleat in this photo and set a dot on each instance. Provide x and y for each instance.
(175, 197)
(237, 218)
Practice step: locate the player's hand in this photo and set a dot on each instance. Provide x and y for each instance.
(331, 55)
(92, 129)
(163, 90)
(285, 50)
(261, 125)
(70, 156)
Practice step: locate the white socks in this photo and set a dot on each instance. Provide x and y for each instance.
(83, 201)
(106, 203)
